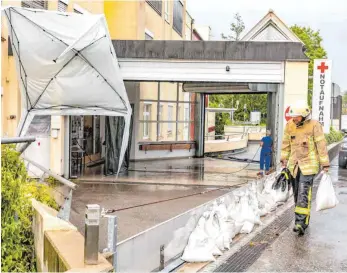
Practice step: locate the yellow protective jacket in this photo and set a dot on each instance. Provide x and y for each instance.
(305, 147)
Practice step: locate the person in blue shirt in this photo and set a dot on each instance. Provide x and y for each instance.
(266, 153)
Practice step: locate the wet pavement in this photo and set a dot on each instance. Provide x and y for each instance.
(186, 171)
(133, 221)
(322, 248)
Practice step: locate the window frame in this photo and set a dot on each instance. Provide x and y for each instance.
(34, 4)
(154, 7)
(167, 11)
(177, 118)
(170, 120)
(149, 34)
(146, 114)
(63, 3)
(174, 26)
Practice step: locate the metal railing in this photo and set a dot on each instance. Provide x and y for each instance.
(228, 136)
(64, 212)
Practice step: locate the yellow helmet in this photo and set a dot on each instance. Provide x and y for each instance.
(300, 109)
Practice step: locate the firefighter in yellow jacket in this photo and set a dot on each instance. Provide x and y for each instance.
(304, 152)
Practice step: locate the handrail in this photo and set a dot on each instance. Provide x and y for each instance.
(18, 140)
(62, 180)
(11, 140)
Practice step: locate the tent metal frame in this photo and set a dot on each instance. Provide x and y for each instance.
(78, 53)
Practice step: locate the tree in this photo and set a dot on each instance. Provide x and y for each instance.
(236, 29)
(314, 50)
(254, 102)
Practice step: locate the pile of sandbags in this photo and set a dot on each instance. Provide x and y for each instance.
(224, 220)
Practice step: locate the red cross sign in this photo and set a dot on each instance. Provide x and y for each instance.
(322, 67)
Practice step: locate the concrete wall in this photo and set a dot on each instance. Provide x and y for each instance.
(256, 136)
(255, 133)
(296, 83)
(59, 247)
(212, 146)
(45, 219)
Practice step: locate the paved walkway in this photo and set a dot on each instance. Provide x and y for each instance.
(324, 246)
(186, 171)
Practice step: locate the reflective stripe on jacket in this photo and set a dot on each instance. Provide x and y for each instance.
(305, 147)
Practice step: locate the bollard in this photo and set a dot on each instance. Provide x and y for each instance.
(91, 234)
(112, 238)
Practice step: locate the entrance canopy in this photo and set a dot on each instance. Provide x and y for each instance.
(66, 65)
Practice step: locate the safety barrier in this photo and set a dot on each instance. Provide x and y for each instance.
(64, 212)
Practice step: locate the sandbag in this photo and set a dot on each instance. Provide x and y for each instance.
(181, 237)
(238, 227)
(200, 247)
(199, 252)
(247, 213)
(326, 197)
(247, 227)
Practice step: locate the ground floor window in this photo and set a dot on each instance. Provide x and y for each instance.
(166, 113)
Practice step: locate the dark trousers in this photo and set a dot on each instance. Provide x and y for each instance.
(302, 189)
(265, 159)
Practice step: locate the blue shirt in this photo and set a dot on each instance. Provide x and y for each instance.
(267, 144)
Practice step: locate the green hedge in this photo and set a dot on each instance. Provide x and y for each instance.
(334, 136)
(17, 240)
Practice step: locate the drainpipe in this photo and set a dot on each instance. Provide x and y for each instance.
(191, 29)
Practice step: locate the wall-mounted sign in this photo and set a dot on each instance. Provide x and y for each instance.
(286, 114)
(321, 99)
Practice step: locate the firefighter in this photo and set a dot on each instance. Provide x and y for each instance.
(304, 152)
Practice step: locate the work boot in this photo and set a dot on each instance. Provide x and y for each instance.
(295, 229)
(261, 174)
(300, 230)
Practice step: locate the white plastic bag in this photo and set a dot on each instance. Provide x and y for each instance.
(280, 196)
(326, 197)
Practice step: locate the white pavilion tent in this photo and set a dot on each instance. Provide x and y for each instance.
(66, 65)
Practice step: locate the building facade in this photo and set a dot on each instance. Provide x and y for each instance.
(164, 124)
(162, 112)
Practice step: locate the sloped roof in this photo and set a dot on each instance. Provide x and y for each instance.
(271, 29)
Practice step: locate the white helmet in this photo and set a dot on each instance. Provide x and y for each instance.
(300, 109)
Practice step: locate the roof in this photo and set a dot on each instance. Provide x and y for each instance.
(210, 50)
(271, 28)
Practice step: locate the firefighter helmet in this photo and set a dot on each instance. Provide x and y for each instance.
(299, 109)
(283, 180)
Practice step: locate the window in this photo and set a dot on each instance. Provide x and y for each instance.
(146, 118)
(148, 35)
(170, 118)
(78, 9)
(186, 113)
(35, 4)
(161, 117)
(166, 7)
(62, 6)
(40, 126)
(178, 17)
(157, 5)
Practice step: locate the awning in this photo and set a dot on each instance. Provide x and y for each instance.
(66, 65)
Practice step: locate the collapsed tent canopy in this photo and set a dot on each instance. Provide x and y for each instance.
(66, 65)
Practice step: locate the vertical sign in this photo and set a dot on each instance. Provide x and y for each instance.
(321, 100)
